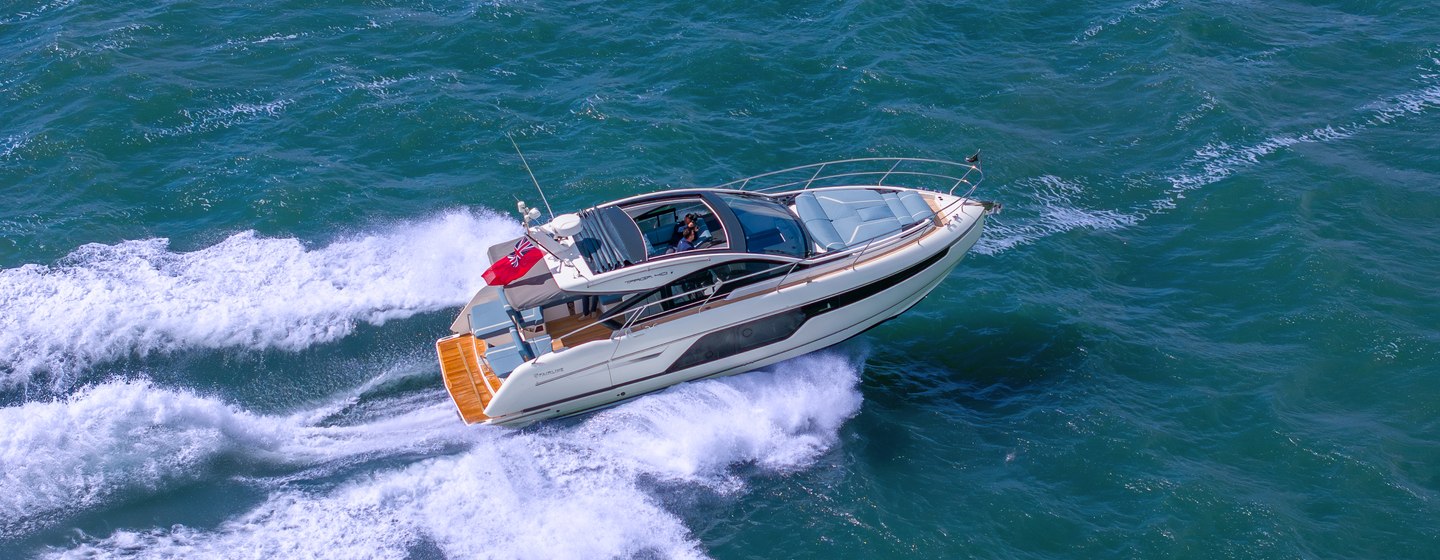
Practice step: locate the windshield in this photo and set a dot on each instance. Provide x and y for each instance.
(770, 228)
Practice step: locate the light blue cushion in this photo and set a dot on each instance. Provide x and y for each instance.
(875, 229)
(531, 317)
(503, 359)
(872, 213)
(848, 202)
(824, 234)
(489, 319)
(860, 196)
(892, 200)
(817, 222)
(840, 218)
(808, 208)
(916, 205)
(845, 228)
(541, 345)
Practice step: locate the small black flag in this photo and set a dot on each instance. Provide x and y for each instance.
(973, 159)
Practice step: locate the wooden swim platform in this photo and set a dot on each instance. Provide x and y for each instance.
(467, 374)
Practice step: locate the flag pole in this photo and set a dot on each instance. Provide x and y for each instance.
(532, 175)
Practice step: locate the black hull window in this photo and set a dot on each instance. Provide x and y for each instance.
(740, 338)
(754, 334)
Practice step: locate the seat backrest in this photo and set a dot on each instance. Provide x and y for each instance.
(817, 222)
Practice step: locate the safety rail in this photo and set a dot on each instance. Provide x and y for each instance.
(927, 174)
(634, 314)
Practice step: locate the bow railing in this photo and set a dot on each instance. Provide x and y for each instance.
(917, 173)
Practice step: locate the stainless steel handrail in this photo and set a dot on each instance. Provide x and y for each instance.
(883, 175)
(953, 173)
(634, 312)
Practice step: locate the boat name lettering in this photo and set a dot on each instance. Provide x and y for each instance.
(649, 276)
(548, 373)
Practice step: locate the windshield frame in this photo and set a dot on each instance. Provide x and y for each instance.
(713, 223)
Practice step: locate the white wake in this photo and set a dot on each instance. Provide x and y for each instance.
(587, 490)
(107, 302)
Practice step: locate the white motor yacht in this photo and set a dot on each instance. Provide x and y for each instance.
(639, 294)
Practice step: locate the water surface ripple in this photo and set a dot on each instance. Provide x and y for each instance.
(1203, 327)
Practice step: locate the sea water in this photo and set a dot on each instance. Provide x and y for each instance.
(1207, 323)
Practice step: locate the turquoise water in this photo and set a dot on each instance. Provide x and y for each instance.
(1205, 325)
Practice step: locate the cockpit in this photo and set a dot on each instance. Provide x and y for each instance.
(677, 225)
(670, 224)
(756, 224)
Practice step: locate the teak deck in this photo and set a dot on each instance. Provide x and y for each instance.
(566, 324)
(468, 377)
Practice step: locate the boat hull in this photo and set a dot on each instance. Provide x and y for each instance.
(830, 306)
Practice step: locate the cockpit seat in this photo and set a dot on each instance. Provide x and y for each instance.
(841, 218)
(663, 234)
(703, 237)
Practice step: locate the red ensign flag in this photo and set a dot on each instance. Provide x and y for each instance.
(514, 265)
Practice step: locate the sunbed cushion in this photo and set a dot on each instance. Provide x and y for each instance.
(840, 218)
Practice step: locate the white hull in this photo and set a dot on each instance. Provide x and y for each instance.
(632, 362)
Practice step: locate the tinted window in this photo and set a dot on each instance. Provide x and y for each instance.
(733, 274)
(769, 227)
(693, 282)
(740, 338)
(743, 273)
(775, 328)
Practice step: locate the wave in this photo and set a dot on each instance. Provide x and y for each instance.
(54, 6)
(1220, 160)
(78, 453)
(1131, 11)
(589, 490)
(217, 118)
(107, 302)
(1412, 103)
(1056, 208)
(1217, 161)
(1189, 118)
(12, 143)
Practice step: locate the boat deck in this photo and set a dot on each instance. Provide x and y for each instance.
(467, 375)
(564, 324)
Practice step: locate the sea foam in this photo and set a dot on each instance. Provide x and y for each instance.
(1132, 10)
(107, 302)
(78, 453)
(1217, 161)
(1054, 207)
(589, 490)
(1054, 204)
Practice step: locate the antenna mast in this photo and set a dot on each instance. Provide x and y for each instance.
(532, 176)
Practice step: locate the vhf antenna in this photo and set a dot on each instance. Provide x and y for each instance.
(532, 176)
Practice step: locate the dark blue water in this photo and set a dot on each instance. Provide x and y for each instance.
(1204, 326)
